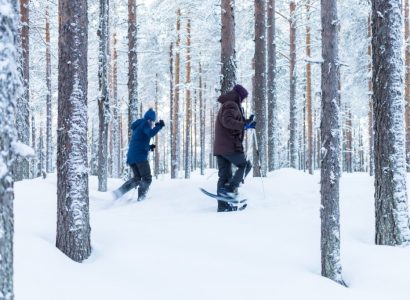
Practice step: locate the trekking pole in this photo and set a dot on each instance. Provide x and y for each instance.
(255, 140)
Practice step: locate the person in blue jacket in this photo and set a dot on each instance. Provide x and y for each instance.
(137, 157)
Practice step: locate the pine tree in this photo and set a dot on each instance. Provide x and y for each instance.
(392, 219)
(9, 90)
(228, 55)
(370, 91)
(202, 120)
(22, 167)
(116, 133)
(259, 94)
(103, 98)
(175, 135)
(133, 109)
(271, 85)
(309, 115)
(73, 224)
(293, 144)
(330, 148)
(49, 131)
(188, 105)
(407, 78)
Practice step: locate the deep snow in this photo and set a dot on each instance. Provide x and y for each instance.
(175, 246)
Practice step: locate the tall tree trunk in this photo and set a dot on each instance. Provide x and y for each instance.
(22, 166)
(156, 151)
(176, 142)
(133, 109)
(34, 160)
(103, 98)
(202, 117)
(309, 114)
(172, 142)
(370, 89)
(407, 78)
(330, 128)
(9, 91)
(271, 86)
(49, 129)
(348, 140)
(188, 104)
(392, 219)
(260, 87)
(228, 55)
(116, 153)
(73, 223)
(293, 142)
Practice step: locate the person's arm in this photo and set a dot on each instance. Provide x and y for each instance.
(151, 132)
(228, 117)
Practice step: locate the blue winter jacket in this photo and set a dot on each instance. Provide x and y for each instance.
(139, 145)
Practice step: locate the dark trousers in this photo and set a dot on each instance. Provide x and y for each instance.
(225, 163)
(142, 178)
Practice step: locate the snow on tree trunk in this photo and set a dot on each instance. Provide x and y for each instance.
(259, 93)
(115, 136)
(176, 139)
(293, 142)
(228, 56)
(103, 98)
(330, 150)
(392, 219)
(271, 86)
(188, 105)
(407, 78)
(10, 86)
(133, 109)
(21, 167)
(73, 224)
(370, 91)
(49, 132)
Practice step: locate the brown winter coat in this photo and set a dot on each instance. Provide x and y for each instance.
(229, 125)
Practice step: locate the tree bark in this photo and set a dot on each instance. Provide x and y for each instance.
(407, 79)
(309, 114)
(156, 150)
(73, 224)
(133, 109)
(330, 137)
(228, 55)
(103, 98)
(260, 87)
(116, 153)
(392, 219)
(49, 126)
(188, 105)
(176, 144)
(271, 86)
(293, 142)
(370, 89)
(9, 91)
(22, 166)
(202, 120)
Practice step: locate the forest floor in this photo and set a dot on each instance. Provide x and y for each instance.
(174, 245)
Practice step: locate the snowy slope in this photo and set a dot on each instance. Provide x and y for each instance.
(175, 246)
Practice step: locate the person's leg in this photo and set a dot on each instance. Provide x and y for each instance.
(144, 171)
(225, 175)
(239, 160)
(224, 172)
(129, 184)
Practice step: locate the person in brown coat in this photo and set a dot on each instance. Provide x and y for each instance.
(230, 126)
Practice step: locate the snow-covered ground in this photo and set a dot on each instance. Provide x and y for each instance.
(175, 246)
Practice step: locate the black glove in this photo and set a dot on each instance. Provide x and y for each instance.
(160, 123)
(152, 147)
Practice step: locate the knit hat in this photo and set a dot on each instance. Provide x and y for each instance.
(241, 91)
(150, 115)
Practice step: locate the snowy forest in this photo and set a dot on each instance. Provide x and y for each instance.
(322, 93)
